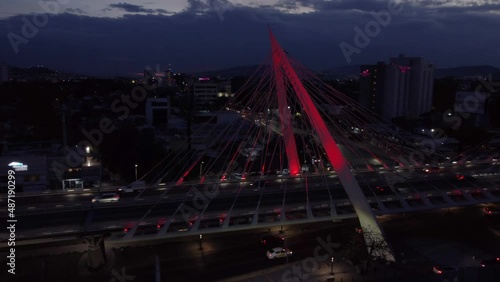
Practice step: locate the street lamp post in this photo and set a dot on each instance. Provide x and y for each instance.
(286, 249)
(331, 267)
(135, 172)
(201, 169)
(201, 242)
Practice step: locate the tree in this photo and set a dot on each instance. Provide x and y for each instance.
(367, 245)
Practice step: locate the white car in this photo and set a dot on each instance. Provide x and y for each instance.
(278, 253)
(106, 198)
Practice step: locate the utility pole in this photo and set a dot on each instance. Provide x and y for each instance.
(190, 113)
(65, 138)
(157, 270)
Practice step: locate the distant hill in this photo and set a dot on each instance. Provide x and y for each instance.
(467, 71)
(485, 70)
(232, 72)
(341, 72)
(332, 73)
(346, 71)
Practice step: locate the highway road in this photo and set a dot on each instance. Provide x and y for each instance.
(235, 253)
(132, 206)
(67, 200)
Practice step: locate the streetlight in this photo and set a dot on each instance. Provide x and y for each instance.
(201, 169)
(135, 172)
(331, 267)
(201, 240)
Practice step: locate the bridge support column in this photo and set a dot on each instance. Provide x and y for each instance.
(96, 252)
(333, 209)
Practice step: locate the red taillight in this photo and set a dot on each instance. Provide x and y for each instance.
(439, 272)
(117, 196)
(264, 242)
(158, 226)
(125, 230)
(498, 259)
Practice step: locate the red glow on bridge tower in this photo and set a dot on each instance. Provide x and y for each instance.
(363, 209)
(285, 116)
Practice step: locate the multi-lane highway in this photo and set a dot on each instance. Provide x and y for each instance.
(427, 239)
(81, 199)
(256, 201)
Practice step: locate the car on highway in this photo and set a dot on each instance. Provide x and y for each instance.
(443, 269)
(381, 190)
(133, 187)
(490, 262)
(272, 240)
(278, 252)
(106, 198)
(431, 169)
(491, 211)
(142, 228)
(465, 177)
(239, 176)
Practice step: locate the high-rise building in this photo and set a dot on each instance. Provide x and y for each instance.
(224, 89)
(170, 77)
(4, 73)
(205, 93)
(371, 84)
(158, 112)
(401, 88)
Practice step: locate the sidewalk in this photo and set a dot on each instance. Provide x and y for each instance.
(303, 271)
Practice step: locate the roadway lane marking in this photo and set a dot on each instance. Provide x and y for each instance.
(30, 208)
(59, 206)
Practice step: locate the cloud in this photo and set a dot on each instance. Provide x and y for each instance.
(75, 11)
(131, 8)
(196, 39)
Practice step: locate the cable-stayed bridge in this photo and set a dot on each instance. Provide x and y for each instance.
(297, 151)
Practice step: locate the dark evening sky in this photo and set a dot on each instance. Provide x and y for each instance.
(105, 37)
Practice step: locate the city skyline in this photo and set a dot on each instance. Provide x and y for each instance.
(121, 38)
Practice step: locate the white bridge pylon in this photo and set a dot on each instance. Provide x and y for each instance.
(372, 232)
